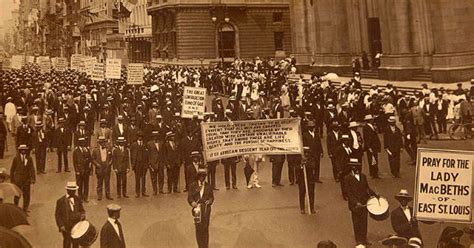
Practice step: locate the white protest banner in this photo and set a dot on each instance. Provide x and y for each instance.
(61, 64)
(194, 102)
(135, 73)
(6, 64)
(229, 139)
(443, 190)
(113, 68)
(17, 61)
(44, 63)
(30, 59)
(88, 64)
(98, 72)
(76, 62)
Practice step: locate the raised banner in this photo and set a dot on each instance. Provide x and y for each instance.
(60, 64)
(194, 102)
(135, 73)
(443, 190)
(113, 68)
(236, 138)
(98, 72)
(44, 63)
(76, 62)
(88, 65)
(17, 61)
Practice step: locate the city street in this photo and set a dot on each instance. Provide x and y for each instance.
(266, 217)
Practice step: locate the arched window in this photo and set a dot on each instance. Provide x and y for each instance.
(226, 40)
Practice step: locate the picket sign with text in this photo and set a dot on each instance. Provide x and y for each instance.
(443, 190)
(135, 73)
(194, 102)
(89, 64)
(17, 61)
(76, 62)
(98, 71)
(30, 59)
(113, 68)
(44, 63)
(60, 64)
(235, 138)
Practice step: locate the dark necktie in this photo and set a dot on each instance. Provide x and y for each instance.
(120, 229)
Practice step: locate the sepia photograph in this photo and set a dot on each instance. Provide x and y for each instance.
(236, 123)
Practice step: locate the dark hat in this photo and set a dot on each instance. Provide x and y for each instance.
(450, 232)
(140, 133)
(403, 194)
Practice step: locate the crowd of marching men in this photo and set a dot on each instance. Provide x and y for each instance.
(140, 128)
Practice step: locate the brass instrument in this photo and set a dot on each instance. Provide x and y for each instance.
(197, 213)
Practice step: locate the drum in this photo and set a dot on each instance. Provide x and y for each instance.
(84, 233)
(378, 208)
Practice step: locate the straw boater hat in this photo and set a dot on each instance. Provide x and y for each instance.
(101, 139)
(415, 242)
(120, 117)
(155, 133)
(392, 119)
(72, 186)
(354, 162)
(103, 121)
(23, 147)
(38, 124)
(394, 240)
(353, 124)
(368, 117)
(61, 120)
(121, 140)
(403, 194)
(113, 207)
(195, 154)
(344, 136)
(158, 116)
(169, 134)
(82, 123)
(4, 174)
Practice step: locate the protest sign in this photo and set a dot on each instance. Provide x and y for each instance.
(88, 64)
(44, 63)
(6, 64)
(61, 64)
(98, 72)
(230, 139)
(17, 61)
(76, 62)
(443, 190)
(30, 59)
(113, 68)
(135, 73)
(194, 102)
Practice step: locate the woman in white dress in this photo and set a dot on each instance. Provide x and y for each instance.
(10, 111)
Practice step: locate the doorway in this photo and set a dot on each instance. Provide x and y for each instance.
(375, 40)
(226, 41)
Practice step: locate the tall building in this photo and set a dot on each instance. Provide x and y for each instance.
(138, 32)
(207, 31)
(415, 37)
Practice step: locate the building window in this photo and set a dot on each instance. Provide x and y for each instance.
(277, 17)
(278, 38)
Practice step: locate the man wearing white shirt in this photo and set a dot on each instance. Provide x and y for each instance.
(69, 211)
(111, 234)
(402, 218)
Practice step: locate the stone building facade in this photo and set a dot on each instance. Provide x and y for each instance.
(206, 31)
(414, 36)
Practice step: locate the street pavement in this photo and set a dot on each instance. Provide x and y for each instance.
(266, 217)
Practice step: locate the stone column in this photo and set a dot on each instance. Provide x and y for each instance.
(299, 27)
(400, 60)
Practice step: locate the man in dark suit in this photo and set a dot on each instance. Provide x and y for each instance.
(173, 161)
(139, 159)
(40, 145)
(308, 165)
(277, 165)
(102, 159)
(82, 133)
(441, 106)
(81, 159)
(343, 153)
(193, 167)
(24, 134)
(358, 193)
(430, 111)
(88, 118)
(277, 109)
(312, 140)
(402, 218)
(201, 198)
(120, 129)
(111, 234)
(69, 211)
(188, 144)
(22, 174)
(393, 143)
(332, 142)
(156, 161)
(121, 166)
(230, 167)
(372, 145)
(61, 141)
(3, 135)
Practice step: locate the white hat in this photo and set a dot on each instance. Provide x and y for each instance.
(353, 124)
(72, 186)
(415, 242)
(368, 117)
(114, 207)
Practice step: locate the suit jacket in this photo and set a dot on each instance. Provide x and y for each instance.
(187, 146)
(22, 173)
(156, 156)
(61, 139)
(393, 140)
(65, 216)
(431, 112)
(371, 139)
(120, 160)
(402, 226)
(37, 142)
(89, 118)
(418, 115)
(101, 167)
(86, 135)
(109, 237)
(24, 135)
(342, 158)
(195, 196)
(172, 155)
(314, 143)
(191, 173)
(116, 132)
(332, 143)
(107, 133)
(132, 134)
(139, 155)
(357, 191)
(82, 160)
